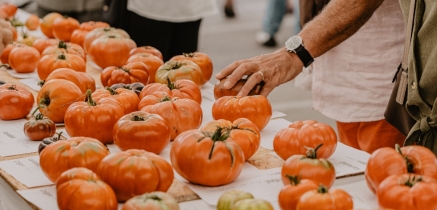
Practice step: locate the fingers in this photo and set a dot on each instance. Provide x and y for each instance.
(227, 70)
(253, 80)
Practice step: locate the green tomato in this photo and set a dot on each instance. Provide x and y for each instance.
(252, 204)
(229, 198)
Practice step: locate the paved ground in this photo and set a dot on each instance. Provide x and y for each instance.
(227, 40)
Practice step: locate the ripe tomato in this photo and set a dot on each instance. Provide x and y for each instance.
(47, 23)
(201, 59)
(32, 22)
(319, 170)
(153, 200)
(228, 199)
(24, 59)
(407, 191)
(253, 203)
(387, 161)
(242, 131)
(176, 70)
(128, 99)
(81, 79)
(220, 91)
(100, 31)
(8, 9)
(301, 134)
(206, 158)
(65, 48)
(181, 114)
(152, 62)
(5, 54)
(183, 88)
(110, 50)
(255, 108)
(74, 152)
(290, 193)
(87, 118)
(56, 96)
(147, 49)
(127, 74)
(39, 127)
(135, 172)
(81, 188)
(335, 199)
(78, 36)
(90, 25)
(63, 27)
(42, 44)
(48, 63)
(15, 101)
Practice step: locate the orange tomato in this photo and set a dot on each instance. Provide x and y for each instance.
(126, 74)
(141, 130)
(63, 27)
(32, 22)
(56, 96)
(50, 62)
(206, 158)
(90, 25)
(78, 36)
(309, 166)
(290, 193)
(135, 172)
(152, 62)
(81, 79)
(15, 101)
(128, 99)
(62, 155)
(176, 70)
(301, 134)
(65, 48)
(183, 88)
(256, 108)
(181, 114)
(39, 127)
(24, 59)
(242, 131)
(9, 10)
(5, 54)
(81, 188)
(336, 199)
(146, 49)
(42, 44)
(110, 50)
(47, 23)
(100, 31)
(201, 59)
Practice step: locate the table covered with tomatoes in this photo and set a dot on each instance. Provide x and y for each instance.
(95, 111)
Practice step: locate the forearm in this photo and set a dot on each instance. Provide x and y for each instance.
(337, 22)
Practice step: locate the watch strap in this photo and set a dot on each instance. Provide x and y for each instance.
(304, 56)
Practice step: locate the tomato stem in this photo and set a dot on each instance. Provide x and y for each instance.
(62, 56)
(90, 100)
(191, 54)
(41, 83)
(137, 118)
(322, 189)
(312, 152)
(111, 91)
(62, 45)
(6, 66)
(12, 87)
(294, 180)
(166, 98)
(407, 162)
(170, 84)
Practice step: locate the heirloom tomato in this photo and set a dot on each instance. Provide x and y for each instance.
(255, 108)
(56, 96)
(100, 31)
(110, 50)
(206, 158)
(290, 193)
(181, 114)
(90, 25)
(8, 10)
(201, 59)
(152, 201)
(50, 62)
(176, 70)
(322, 198)
(63, 27)
(387, 161)
(302, 134)
(183, 88)
(135, 172)
(81, 79)
(47, 23)
(81, 188)
(228, 199)
(23, 58)
(253, 203)
(65, 48)
(147, 49)
(60, 156)
(42, 44)
(5, 54)
(15, 101)
(32, 22)
(407, 191)
(242, 131)
(39, 127)
(220, 91)
(128, 99)
(308, 166)
(47, 141)
(141, 130)
(136, 87)
(128, 74)
(92, 117)
(152, 62)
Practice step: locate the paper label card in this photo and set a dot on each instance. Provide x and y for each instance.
(348, 161)
(43, 197)
(32, 83)
(26, 170)
(13, 141)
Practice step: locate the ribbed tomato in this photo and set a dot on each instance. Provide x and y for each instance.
(128, 99)
(181, 88)
(176, 70)
(201, 59)
(15, 101)
(127, 74)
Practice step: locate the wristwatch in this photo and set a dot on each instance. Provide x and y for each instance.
(294, 44)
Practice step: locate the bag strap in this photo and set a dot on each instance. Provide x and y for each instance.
(403, 83)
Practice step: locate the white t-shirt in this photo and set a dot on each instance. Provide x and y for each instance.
(173, 10)
(353, 81)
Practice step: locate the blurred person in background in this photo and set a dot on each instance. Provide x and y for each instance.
(81, 10)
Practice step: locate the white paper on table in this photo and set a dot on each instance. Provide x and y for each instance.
(251, 180)
(195, 205)
(359, 191)
(12, 124)
(207, 102)
(278, 114)
(42, 197)
(269, 132)
(348, 160)
(13, 141)
(31, 82)
(15, 74)
(27, 171)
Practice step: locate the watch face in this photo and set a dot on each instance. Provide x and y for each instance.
(293, 43)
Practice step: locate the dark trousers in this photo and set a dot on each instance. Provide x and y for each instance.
(168, 37)
(85, 16)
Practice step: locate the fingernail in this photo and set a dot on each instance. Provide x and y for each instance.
(227, 84)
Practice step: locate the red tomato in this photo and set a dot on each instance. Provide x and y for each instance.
(15, 101)
(291, 193)
(336, 199)
(181, 88)
(63, 27)
(152, 62)
(110, 50)
(39, 127)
